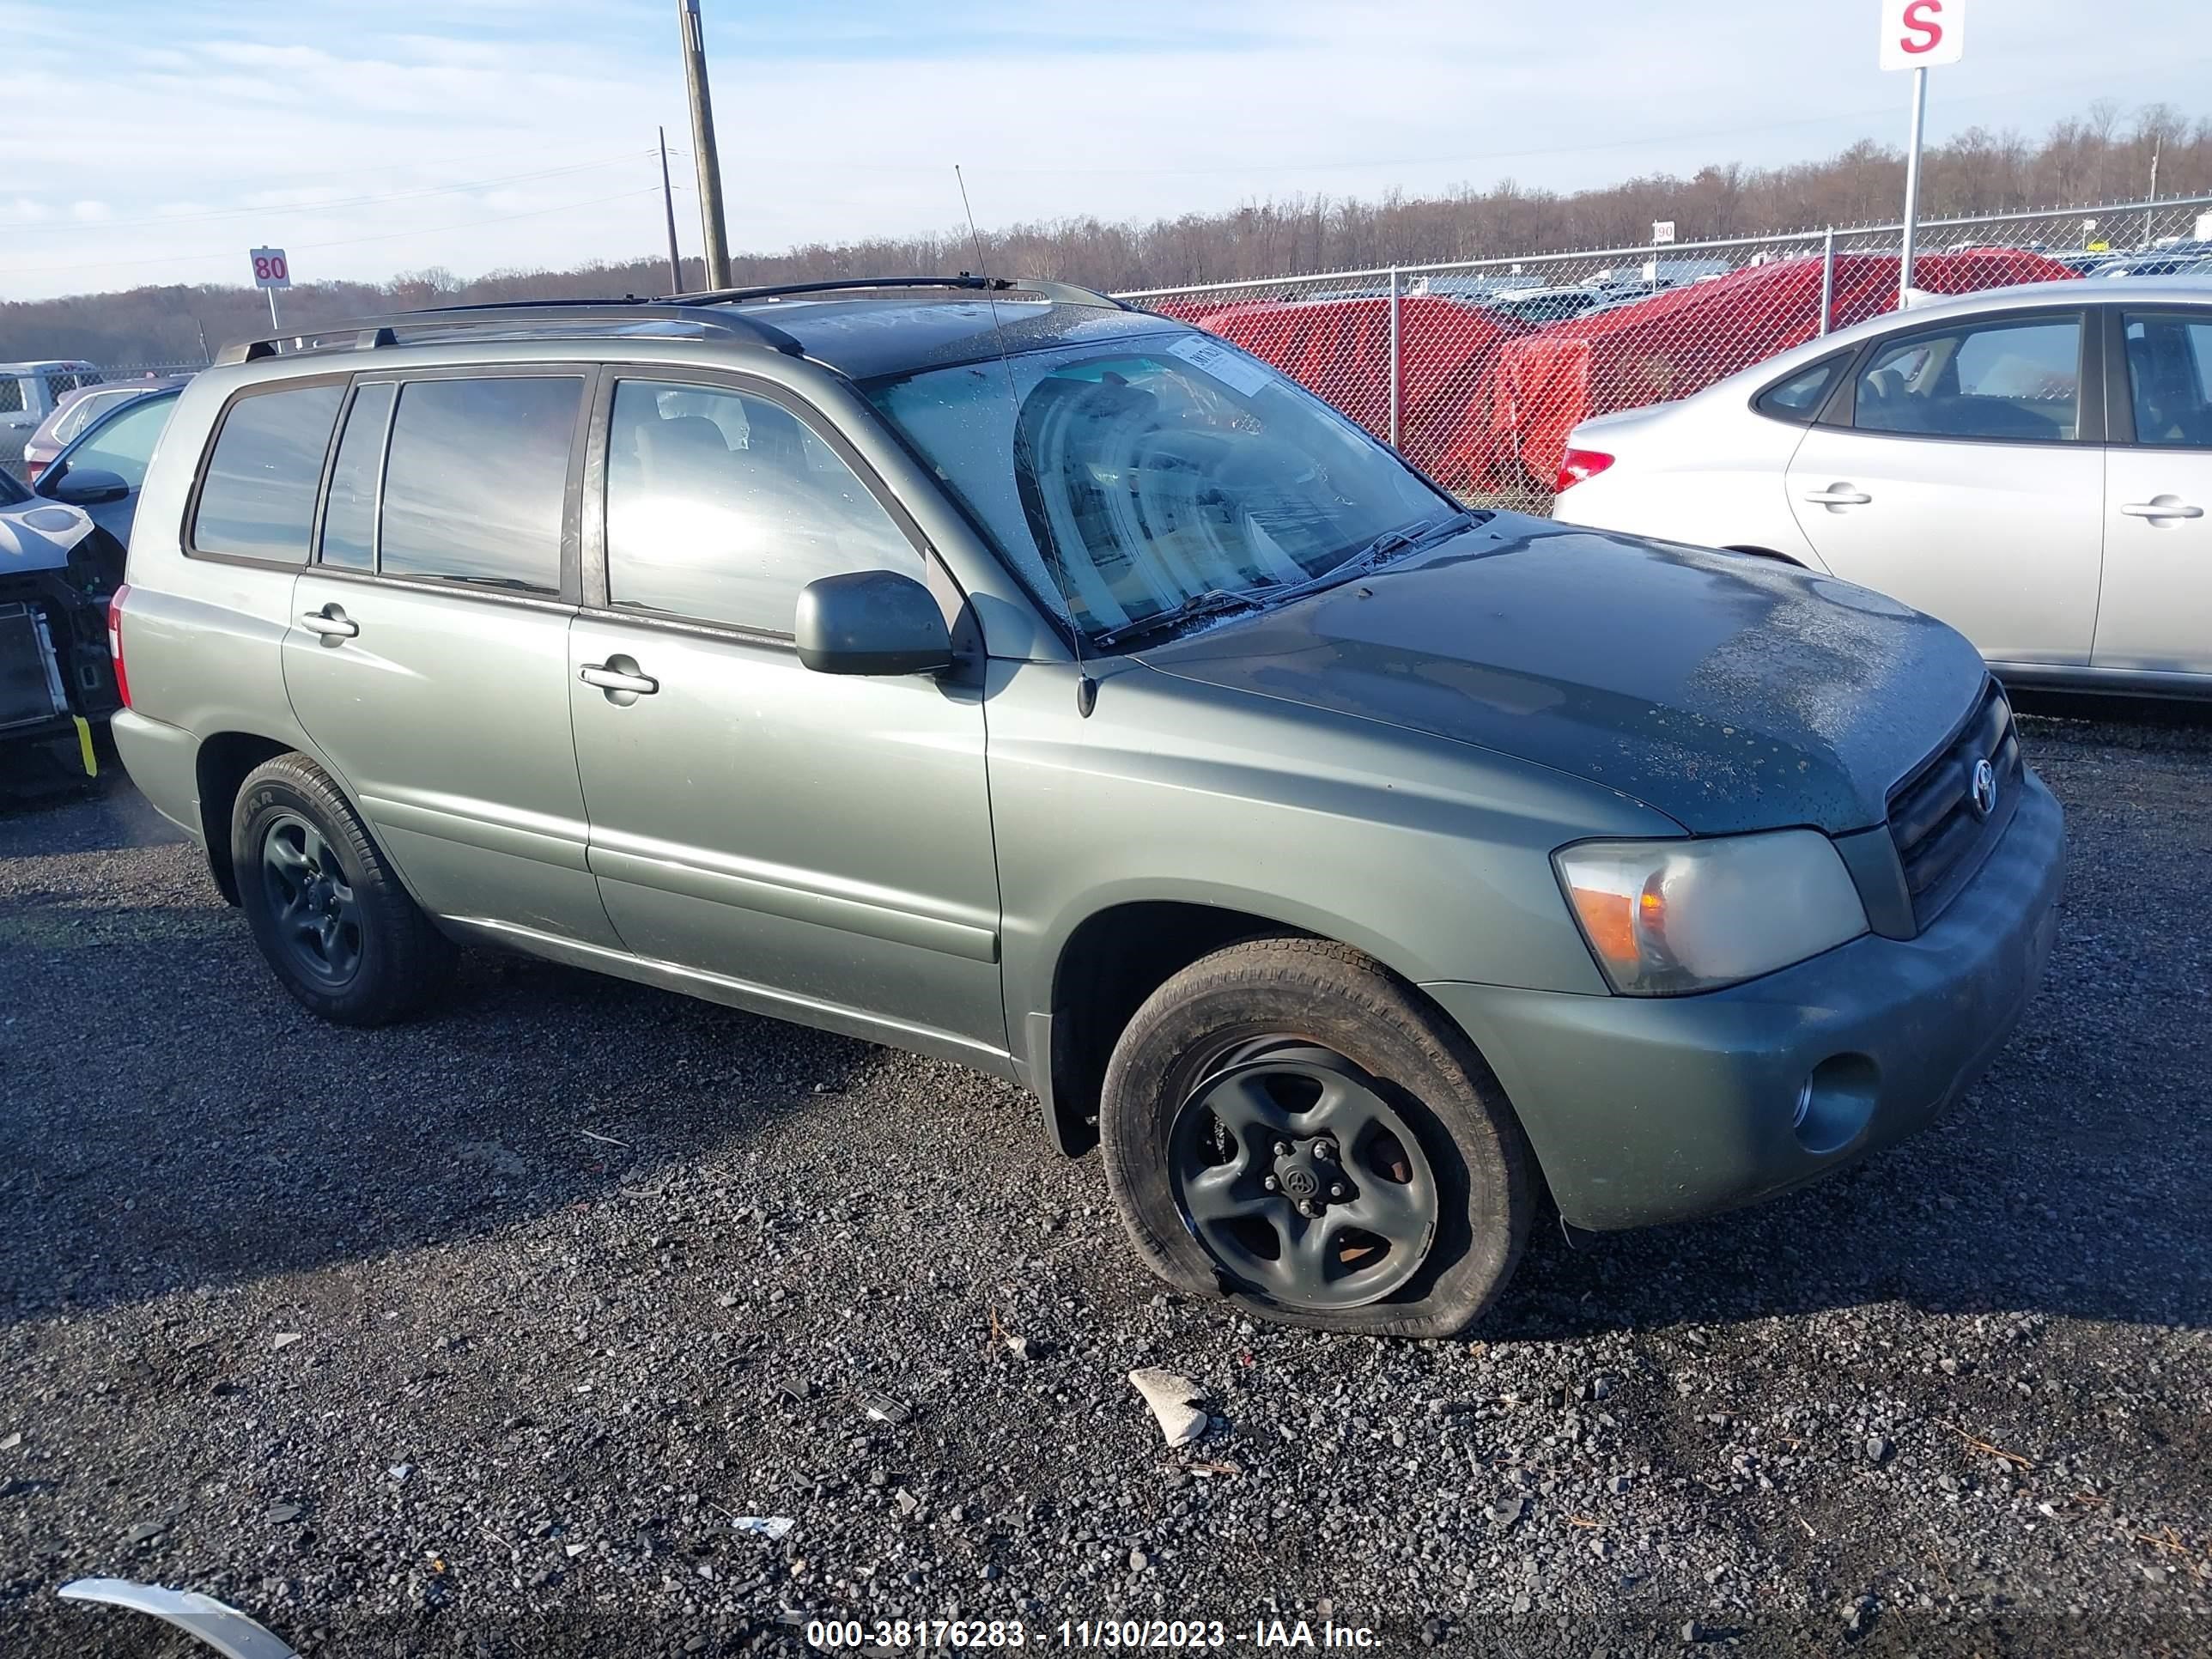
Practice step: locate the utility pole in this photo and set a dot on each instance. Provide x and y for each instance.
(1912, 183)
(668, 202)
(702, 146)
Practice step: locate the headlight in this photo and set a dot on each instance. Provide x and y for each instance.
(1665, 917)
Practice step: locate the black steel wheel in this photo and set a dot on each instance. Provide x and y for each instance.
(1297, 1175)
(342, 934)
(1288, 1125)
(318, 918)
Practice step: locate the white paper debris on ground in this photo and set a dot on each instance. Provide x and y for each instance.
(770, 1527)
(284, 1339)
(1174, 1400)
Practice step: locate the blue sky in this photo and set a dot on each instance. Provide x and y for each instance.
(146, 141)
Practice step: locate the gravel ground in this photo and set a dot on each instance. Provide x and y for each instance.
(477, 1336)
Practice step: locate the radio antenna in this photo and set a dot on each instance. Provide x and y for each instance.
(1087, 689)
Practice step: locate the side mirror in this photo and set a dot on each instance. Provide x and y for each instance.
(89, 486)
(872, 622)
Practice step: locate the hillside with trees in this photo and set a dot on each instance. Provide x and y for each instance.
(2102, 156)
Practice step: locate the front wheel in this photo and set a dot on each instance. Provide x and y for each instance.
(1286, 1123)
(342, 934)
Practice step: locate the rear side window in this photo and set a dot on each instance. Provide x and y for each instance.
(2014, 381)
(11, 393)
(258, 500)
(475, 479)
(1799, 397)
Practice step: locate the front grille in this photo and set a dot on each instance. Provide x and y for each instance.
(1941, 837)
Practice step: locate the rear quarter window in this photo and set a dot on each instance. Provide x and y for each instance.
(257, 496)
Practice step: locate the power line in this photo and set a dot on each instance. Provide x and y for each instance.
(343, 203)
(348, 241)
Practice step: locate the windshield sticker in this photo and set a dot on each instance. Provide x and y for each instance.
(1238, 373)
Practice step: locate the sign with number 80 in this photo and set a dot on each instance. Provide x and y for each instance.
(271, 268)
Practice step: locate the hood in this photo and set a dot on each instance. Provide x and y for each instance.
(38, 536)
(1728, 692)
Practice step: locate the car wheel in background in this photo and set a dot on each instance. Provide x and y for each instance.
(1285, 1122)
(328, 914)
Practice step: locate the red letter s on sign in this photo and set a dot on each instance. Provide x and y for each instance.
(1923, 17)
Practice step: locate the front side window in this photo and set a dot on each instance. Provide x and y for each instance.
(2170, 379)
(258, 500)
(2010, 381)
(1127, 482)
(721, 506)
(126, 444)
(475, 478)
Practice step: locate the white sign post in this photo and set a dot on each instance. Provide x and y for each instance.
(271, 272)
(1916, 34)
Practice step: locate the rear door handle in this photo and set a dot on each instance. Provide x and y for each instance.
(608, 678)
(331, 624)
(1839, 495)
(2161, 507)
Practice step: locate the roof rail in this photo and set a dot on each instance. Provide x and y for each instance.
(371, 333)
(1067, 294)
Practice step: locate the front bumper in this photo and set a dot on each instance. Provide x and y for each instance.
(1649, 1109)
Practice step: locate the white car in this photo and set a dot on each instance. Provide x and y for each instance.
(2033, 465)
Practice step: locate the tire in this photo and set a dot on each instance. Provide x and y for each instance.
(1259, 1023)
(304, 858)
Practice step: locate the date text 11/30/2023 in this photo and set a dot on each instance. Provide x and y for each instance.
(1281, 1635)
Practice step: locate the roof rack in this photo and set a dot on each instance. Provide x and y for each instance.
(373, 333)
(1067, 294)
(704, 310)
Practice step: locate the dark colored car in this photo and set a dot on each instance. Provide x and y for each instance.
(58, 571)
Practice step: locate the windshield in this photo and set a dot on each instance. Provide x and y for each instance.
(1125, 483)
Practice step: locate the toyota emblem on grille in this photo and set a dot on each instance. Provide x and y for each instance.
(1985, 789)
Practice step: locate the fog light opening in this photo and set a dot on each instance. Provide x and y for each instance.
(1835, 1103)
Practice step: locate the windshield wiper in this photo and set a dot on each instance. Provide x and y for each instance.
(1212, 603)
(1382, 547)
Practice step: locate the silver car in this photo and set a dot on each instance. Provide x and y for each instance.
(1014, 677)
(2032, 464)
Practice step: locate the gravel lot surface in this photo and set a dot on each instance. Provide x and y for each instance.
(479, 1335)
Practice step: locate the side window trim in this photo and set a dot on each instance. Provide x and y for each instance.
(569, 594)
(936, 576)
(329, 474)
(189, 541)
(2088, 409)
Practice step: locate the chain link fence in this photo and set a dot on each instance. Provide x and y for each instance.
(1478, 370)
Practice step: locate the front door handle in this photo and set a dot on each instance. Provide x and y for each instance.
(331, 624)
(1839, 495)
(608, 676)
(2161, 507)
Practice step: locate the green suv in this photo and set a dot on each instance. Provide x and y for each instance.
(998, 673)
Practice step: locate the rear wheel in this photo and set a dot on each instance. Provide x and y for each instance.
(330, 916)
(1288, 1124)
